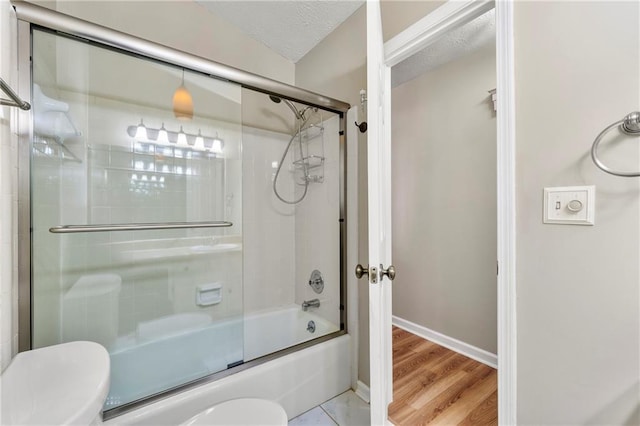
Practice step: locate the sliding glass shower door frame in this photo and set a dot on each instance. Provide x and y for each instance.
(31, 16)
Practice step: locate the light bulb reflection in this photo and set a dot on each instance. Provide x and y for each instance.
(141, 131)
(199, 140)
(217, 146)
(182, 137)
(163, 136)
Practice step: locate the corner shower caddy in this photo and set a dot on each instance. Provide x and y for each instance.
(312, 156)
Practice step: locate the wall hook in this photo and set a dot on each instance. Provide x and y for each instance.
(363, 99)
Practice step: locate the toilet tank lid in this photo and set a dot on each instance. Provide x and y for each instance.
(60, 384)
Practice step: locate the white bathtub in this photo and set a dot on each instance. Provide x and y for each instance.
(298, 381)
(270, 331)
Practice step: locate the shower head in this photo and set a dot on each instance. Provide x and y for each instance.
(297, 113)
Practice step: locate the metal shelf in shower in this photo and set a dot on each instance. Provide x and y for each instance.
(312, 156)
(310, 161)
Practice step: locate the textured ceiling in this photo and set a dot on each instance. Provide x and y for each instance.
(474, 35)
(291, 28)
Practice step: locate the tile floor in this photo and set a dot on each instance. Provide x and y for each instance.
(346, 409)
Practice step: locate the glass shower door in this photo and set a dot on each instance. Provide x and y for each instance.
(136, 215)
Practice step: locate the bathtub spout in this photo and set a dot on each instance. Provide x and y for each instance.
(314, 303)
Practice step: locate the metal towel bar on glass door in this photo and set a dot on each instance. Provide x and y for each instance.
(70, 229)
(15, 99)
(629, 125)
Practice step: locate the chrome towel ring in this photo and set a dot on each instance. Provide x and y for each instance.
(629, 125)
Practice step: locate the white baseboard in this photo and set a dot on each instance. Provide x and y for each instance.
(456, 345)
(362, 391)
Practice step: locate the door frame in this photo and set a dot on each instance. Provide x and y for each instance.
(449, 16)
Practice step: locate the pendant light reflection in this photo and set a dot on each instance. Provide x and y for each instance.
(182, 102)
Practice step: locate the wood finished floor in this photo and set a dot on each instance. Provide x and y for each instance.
(433, 385)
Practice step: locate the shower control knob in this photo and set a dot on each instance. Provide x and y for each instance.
(361, 271)
(390, 272)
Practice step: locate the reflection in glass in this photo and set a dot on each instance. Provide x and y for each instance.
(144, 295)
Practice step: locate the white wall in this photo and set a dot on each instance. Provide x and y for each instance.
(8, 193)
(444, 200)
(577, 71)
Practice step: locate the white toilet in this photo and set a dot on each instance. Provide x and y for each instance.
(64, 384)
(241, 412)
(68, 384)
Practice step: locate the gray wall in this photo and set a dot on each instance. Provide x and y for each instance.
(397, 15)
(337, 67)
(444, 200)
(183, 25)
(577, 70)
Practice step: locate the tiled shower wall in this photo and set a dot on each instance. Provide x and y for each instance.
(317, 227)
(269, 224)
(284, 243)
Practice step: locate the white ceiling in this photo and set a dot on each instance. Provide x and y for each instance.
(291, 28)
(472, 36)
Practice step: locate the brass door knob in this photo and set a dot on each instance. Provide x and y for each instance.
(361, 271)
(390, 272)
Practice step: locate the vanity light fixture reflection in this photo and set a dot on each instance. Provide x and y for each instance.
(162, 136)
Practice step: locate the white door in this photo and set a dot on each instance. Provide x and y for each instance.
(380, 270)
(450, 15)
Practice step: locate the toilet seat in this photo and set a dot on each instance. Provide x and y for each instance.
(243, 411)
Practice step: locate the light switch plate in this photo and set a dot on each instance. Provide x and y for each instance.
(570, 205)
